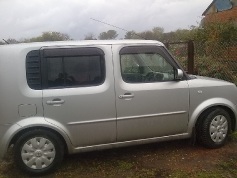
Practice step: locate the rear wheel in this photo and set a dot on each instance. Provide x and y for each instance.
(38, 152)
(214, 128)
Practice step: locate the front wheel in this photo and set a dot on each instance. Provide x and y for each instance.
(38, 152)
(214, 128)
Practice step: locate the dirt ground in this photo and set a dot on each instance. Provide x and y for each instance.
(178, 159)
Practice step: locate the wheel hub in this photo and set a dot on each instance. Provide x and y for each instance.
(218, 128)
(38, 153)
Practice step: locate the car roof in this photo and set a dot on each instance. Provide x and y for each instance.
(83, 42)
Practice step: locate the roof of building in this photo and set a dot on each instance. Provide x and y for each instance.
(204, 13)
(220, 5)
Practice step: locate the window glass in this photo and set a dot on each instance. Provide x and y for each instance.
(129, 64)
(55, 72)
(75, 71)
(145, 67)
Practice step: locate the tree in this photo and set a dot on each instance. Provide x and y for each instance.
(12, 41)
(178, 35)
(132, 35)
(110, 34)
(217, 32)
(49, 36)
(147, 35)
(158, 33)
(90, 36)
(155, 34)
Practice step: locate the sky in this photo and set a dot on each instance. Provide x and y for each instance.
(22, 19)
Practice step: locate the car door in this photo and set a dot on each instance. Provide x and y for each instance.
(150, 102)
(78, 93)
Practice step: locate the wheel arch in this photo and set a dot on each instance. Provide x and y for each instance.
(19, 133)
(197, 111)
(227, 109)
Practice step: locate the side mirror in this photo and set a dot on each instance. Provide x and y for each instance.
(178, 74)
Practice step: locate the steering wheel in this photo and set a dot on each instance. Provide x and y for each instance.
(149, 76)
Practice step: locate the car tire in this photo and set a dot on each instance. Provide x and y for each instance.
(38, 152)
(213, 128)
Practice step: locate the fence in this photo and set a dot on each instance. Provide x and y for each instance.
(217, 60)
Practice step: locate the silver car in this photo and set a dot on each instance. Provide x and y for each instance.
(70, 97)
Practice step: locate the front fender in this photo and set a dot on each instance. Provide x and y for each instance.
(197, 111)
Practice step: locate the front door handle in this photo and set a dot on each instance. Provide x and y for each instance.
(126, 96)
(55, 102)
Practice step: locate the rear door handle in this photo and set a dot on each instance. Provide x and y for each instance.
(126, 96)
(55, 102)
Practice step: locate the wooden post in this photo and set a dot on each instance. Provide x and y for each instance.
(190, 57)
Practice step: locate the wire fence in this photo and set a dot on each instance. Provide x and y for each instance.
(180, 52)
(217, 60)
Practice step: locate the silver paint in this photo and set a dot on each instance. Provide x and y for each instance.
(105, 116)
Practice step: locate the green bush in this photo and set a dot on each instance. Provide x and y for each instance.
(216, 68)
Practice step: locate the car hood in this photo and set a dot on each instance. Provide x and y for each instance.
(200, 81)
(209, 79)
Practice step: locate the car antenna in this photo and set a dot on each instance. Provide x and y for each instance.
(117, 27)
(5, 41)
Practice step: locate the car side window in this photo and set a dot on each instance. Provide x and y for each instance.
(75, 71)
(145, 67)
(129, 64)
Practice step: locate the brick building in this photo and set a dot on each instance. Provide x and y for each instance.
(221, 11)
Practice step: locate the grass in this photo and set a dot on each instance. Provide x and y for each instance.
(215, 174)
(177, 159)
(123, 165)
(233, 136)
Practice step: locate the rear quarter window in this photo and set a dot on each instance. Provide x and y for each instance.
(74, 67)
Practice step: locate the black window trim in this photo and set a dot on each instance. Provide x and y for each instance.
(33, 53)
(70, 52)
